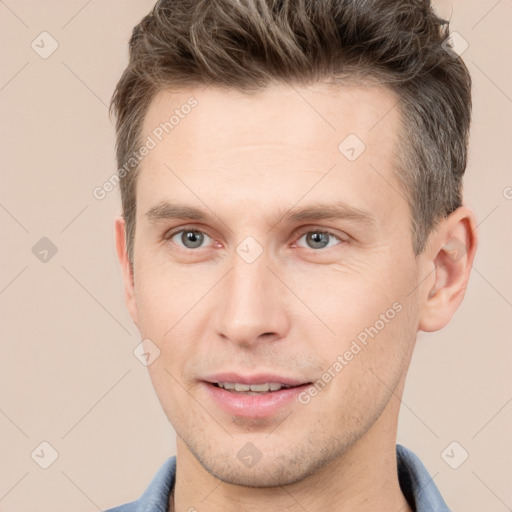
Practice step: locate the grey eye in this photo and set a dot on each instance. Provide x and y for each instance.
(190, 238)
(320, 239)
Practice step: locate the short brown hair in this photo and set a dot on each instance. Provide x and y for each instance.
(250, 44)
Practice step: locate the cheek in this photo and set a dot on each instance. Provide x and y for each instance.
(169, 311)
(165, 294)
(348, 299)
(364, 366)
(371, 318)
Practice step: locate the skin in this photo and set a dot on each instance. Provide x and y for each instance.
(246, 161)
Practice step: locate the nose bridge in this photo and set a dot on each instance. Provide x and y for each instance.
(250, 304)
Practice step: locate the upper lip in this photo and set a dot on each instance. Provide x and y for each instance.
(259, 378)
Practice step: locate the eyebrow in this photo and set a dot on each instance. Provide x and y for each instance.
(339, 210)
(320, 211)
(165, 210)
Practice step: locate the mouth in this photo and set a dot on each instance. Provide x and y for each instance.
(254, 397)
(252, 389)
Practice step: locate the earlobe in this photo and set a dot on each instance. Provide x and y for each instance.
(451, 253)
(124, 262)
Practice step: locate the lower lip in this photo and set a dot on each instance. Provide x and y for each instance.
(253, 406)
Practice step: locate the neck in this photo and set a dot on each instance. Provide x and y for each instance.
(363, 479)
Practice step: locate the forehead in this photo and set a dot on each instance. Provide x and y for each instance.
(312, 116)
(289, 136)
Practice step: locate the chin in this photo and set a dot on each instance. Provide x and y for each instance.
(274, 470)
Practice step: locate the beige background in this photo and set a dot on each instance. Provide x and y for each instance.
(68, 375)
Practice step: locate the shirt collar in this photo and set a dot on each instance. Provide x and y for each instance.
(416, 484)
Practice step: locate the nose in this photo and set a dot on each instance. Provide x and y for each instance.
(251, 306)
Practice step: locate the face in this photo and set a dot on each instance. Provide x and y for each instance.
(265, 252)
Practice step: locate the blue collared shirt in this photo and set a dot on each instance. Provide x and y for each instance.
(417, 486)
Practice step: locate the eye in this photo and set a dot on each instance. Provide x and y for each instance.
(188, 238)
(318, 239)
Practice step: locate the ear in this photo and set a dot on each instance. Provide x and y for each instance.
(129, 288)
(450, 254)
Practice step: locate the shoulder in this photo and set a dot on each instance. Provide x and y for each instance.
(127, 507)
(156, 497)
(416, 483)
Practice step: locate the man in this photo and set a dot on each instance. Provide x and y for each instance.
(291, 177)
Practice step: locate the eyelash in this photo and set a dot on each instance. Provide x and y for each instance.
(169, 236)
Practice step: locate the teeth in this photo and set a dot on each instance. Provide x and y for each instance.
(259, 387)
(256, 388)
